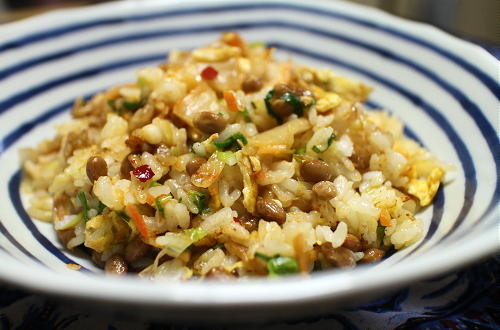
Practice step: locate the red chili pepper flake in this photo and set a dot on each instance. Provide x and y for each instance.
(235, 219)
(143, 173)
(209, 73)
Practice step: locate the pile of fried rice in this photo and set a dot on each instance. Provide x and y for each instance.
(224, 162)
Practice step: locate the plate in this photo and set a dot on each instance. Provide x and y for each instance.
(445, 90)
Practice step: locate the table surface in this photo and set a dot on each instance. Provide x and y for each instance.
(465, 299)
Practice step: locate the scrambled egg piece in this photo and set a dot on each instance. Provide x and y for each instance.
(101, 232)
(425, 190)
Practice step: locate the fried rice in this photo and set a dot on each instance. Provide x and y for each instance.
(224, 162)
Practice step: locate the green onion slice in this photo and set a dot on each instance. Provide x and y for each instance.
(100, 207)
(112, 105)
(262, 256)
(246, 114)
(320, 149)
(282, 265)
(292, 100)
(267, 101)
(300, 151)
(159, 207)
(124, 216)
(279, 265)
(200, 200)
(231, 142)
(85, 207)
(134, 105)
(380, 232)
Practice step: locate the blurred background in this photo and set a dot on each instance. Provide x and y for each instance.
(476, 20)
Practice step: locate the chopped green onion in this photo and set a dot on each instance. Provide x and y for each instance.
(134, 105)
(380, 232)
(246, 115)
(159, 207)
(218, 246)
(300, 151)
(292, 100)
(200, 200)
(227, 157)
(278, 265)
(112, 105)
(317, 150)
(154, 184)
(85, 206)
(270, 111)
(262, 256)
(195, 234)
(159, 201)
(100, 207)
(254, 106)
(123, 215)
(231, 142)
(282, 265)
(124, 105)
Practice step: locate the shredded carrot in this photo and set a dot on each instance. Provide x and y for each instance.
(138, 220)
(385, 218)
(231, 101)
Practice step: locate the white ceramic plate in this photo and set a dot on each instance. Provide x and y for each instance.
(445, 90)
